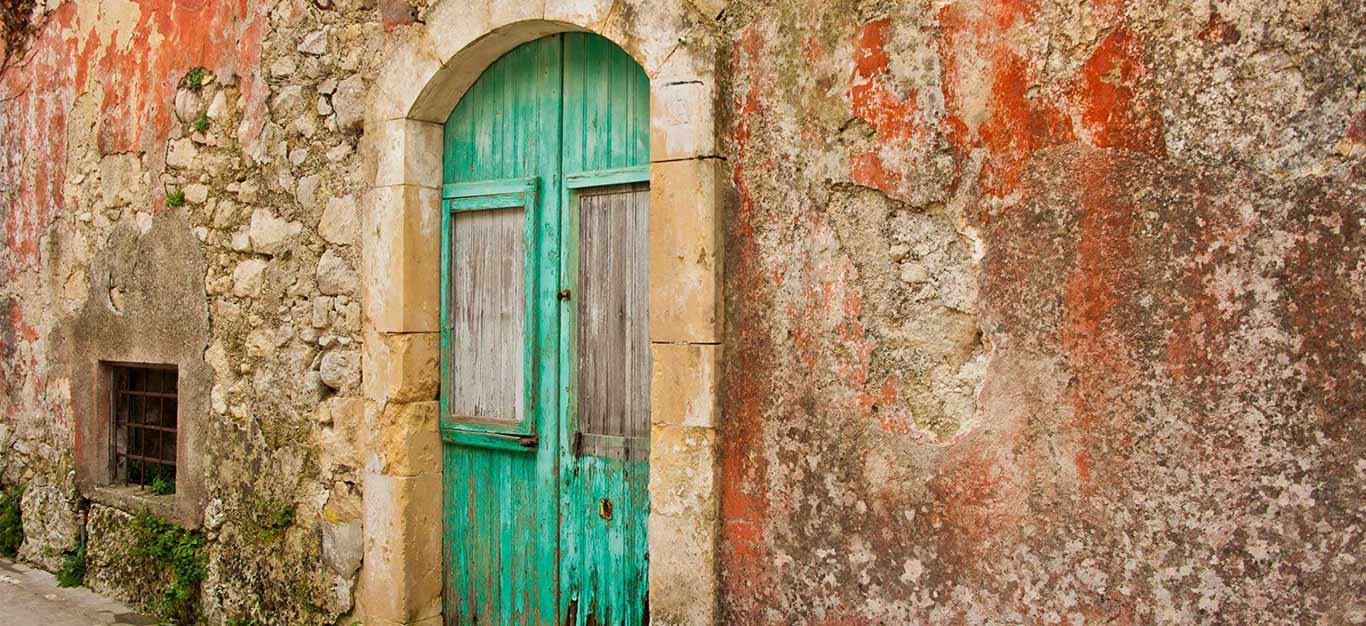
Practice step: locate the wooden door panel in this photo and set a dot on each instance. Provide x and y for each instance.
(540, 529)
(500, 492)
(605, 433)
(613, 364)
(487, 260)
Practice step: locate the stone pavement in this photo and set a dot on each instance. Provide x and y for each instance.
(31, 597)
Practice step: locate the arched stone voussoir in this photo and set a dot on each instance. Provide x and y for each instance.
(407, 67)
(435, 99)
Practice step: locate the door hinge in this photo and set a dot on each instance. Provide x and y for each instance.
(564, 295)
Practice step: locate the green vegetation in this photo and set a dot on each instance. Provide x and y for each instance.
(182, 553)
(11, 521)
(202, 124)
(274, 517)
(161, 486)
(72, 572)
(243, 621)
(194, 79)
(175, 199)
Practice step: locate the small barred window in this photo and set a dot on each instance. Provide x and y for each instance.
(144, 429)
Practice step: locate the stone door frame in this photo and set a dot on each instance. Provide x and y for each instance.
(419, 83)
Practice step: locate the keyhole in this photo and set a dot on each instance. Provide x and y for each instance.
(605, 508)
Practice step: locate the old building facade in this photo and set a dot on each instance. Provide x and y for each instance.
(954, 312)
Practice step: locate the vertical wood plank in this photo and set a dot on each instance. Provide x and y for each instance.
(613, 352)
(489, 325)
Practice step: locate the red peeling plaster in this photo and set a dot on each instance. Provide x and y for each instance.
(136, 83)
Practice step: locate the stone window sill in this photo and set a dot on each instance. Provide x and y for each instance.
(133, 499)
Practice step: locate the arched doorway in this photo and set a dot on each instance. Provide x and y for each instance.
(545, 348)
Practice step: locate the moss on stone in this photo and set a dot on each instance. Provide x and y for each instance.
(11, 521)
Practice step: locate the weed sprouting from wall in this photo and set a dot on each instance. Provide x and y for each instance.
(194, 79)
(161, 486)
(72, 572)
(182, 553)
(11, 521)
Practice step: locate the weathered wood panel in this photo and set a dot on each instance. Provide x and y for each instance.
(614, 345)
(604, 571)
(501, 506)
(488, 316)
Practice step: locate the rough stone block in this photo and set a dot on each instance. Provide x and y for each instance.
(401, 367)
(409, 66)
(401, 573)
(454, 25)
(586, 13)
(685, 390)
(409, 153)
(683, 106)
(682, 471)
(685, 251)
(683, 581)
(401, 259)
(404, 439)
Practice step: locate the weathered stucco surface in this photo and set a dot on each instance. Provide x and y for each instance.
(1035, 312)
(1045, 313)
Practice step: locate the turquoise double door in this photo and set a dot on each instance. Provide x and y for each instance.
(545, 345)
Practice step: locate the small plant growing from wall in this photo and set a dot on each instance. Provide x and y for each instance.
(202, 124)
(182, 553)
(11, 521)
(72, 572)
(274, 517)
(161, 486)
(194, 79)
(175, 199)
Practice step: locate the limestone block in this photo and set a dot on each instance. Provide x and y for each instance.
(683, 581)
(340, 220)
(685, 251)
(682, 471)
(348, 102)
(685, 388)
(246, 277)
(343, 543)
(682, 119)
(409, 153)
(402, 367)
(402, 258)
(409, 67)
(342, 438)
(335, 276)
(404, 439)
(269, 232)
(586, 13)
(453, 25)
(401, 572)
(340, 369)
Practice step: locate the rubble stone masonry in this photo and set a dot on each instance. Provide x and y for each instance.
(1029, 312)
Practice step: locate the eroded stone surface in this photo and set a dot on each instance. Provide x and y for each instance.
(1035, 312)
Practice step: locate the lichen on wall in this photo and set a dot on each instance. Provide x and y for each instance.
(1037, 312)
(1044, 313)
(183, 185)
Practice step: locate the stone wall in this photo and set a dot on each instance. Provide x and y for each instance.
(1036, 312)
(1045, 313)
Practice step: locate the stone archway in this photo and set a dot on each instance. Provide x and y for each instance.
(419, 84)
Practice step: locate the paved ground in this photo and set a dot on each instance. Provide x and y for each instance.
(31, 597)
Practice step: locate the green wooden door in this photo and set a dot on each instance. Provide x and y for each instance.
(545, 352)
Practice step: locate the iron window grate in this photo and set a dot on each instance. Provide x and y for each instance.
(145, 423)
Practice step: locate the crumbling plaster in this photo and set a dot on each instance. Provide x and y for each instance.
(1031, 312)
